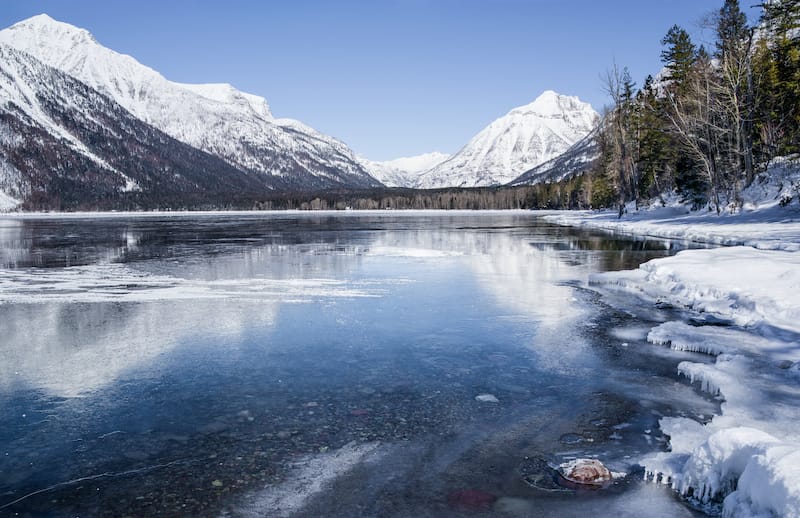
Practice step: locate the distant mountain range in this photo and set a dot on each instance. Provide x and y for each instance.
(403, 172)
(82, 126)
(522, 139)
(522, 147)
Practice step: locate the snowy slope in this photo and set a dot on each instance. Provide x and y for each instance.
(511, 145)
(403, 172)
(64, 145)
(216, 118)
(575, 161)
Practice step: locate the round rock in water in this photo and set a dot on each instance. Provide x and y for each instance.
(586, 472)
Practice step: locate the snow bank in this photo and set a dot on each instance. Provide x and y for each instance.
(740, 284)
(746, 461)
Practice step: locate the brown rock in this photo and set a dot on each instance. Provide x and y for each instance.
(588, 472)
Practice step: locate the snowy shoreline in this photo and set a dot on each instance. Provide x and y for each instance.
(745, 462)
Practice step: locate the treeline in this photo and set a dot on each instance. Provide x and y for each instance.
(712, 120)
(572, 194)
(575, 193)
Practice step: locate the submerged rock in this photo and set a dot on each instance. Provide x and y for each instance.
(586, 472)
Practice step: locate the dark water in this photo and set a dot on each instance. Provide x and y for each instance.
(323, 365)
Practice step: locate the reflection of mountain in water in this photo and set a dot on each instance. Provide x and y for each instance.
(69, 349)
(146, 286)
(77, 329)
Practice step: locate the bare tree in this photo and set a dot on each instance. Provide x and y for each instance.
(619, 86)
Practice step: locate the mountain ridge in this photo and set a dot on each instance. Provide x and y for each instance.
(403, 171)
(216, 118)
(66, 146)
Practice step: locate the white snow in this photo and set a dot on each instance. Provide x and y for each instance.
(745, 462)
(740, 284)
(511, 145)
(17, 85)
(402, 172)
(761, 223)
(7, 202)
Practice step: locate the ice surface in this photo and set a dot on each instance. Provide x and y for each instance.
(121, 283)
(311, 475)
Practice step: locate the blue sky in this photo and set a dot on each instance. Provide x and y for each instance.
(391, 78)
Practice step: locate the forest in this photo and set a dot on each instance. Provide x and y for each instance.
(712, 119)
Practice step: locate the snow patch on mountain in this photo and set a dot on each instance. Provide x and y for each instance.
(403, 172)
(525, 137)
(7, 202)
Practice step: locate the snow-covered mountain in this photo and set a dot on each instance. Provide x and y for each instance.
(64, 145)
(217, 118)
(575, 161)
(403, 172)
(513, 144)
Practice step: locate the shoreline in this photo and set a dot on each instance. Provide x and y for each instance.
(742, 303)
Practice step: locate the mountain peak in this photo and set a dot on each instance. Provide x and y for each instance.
(43, 25)
(551, 103)
(520, 140)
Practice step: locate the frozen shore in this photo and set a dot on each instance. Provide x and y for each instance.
(745, 462)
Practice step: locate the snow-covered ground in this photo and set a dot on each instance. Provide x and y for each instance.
(745, 461)
(761, 223)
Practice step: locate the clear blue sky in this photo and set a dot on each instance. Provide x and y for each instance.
(389, 77)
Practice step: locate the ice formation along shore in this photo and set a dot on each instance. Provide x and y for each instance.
(745, 304)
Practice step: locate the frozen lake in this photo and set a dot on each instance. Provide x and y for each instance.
(323, 364)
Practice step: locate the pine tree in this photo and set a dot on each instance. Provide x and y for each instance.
(679, 55)
(656, 154)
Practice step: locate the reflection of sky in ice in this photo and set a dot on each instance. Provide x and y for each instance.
(75, 329)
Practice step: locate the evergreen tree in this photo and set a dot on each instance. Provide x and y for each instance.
(655, 155)
(678, 55)
(781, 19)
